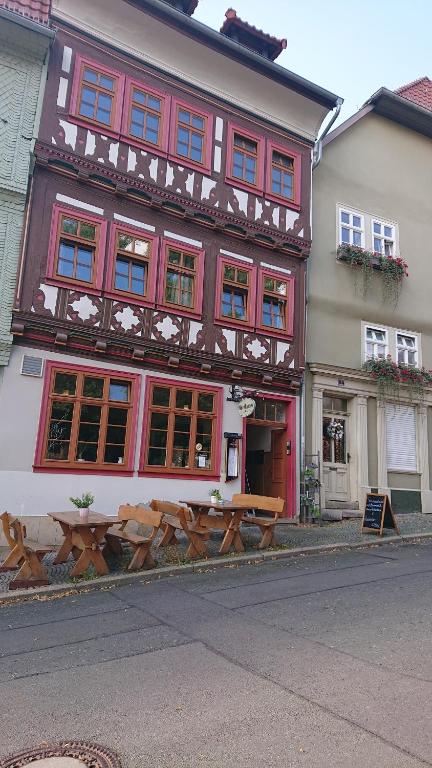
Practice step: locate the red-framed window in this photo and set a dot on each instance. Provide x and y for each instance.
(245, 159)
(235, 293)
(181, 277)
(191, 135)
(132, 265)
(275, 303)
(145, 116)
(254, 298)
(76, 249)
(97, 95)
(182, 431)
(87, 420)
(283, 178)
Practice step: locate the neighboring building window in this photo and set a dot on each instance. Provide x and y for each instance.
(383, 238)
(351, 228)
(181, 278)
(76, 244)
(132, 264)
(97, 94)
(182, 431)
(88, 419)
(376, 343)
(407, 349)
(401, 438)
(145, 115)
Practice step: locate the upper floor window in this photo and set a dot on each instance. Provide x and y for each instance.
(407, 349)
(274, 303)
(132, 264)
(191, 135)
(145, 115)
(351, 228)
(86, 419)
(383, 238)
(181, 278)
(235, 293)
(245, 158)
(376, 343)
(97, 94)
(282, 175)
(76, 243)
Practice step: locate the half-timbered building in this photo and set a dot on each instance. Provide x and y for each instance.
(163, 267)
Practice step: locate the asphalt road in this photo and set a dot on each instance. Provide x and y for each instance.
(319, 662)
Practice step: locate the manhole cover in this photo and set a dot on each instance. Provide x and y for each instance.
(68, 754)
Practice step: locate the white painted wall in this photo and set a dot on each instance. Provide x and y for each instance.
(123, 26)
(24, 492)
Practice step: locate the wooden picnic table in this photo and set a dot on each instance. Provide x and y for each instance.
(83, 537)
(228, 518)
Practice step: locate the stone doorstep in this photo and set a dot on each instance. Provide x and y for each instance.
(123, 579)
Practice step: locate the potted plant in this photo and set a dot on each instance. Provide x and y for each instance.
(83, 503)
(215, 496)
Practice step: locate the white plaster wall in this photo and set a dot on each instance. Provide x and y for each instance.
(123, 26)
(24, 492)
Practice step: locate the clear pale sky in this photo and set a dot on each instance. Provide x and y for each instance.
(350, 47)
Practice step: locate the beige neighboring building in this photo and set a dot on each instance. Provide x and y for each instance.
(372, 189)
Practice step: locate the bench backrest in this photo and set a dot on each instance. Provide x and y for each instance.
(263, 503)
(169, 508)
(143, 515)
(13, 530)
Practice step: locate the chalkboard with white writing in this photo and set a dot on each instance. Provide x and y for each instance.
(378, 514)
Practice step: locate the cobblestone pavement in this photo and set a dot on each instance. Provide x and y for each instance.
(288, 536)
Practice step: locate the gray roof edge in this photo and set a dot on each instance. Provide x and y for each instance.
(239, 52)
(27, 23)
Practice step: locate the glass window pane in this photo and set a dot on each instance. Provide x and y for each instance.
(116, 435)
(357, 240)
(90, 76)
(356, 221)
(159, 421)
(161, 396)
(345, 235)
(184, 116)
(70, 226)
(83, 273)
(103, 116)
(65, 383)
(106, 82)
(182, 424)
(138, 96)
(87, 452)
(156, 457)
(119, 390)
(388, 231)
(377, 228)
(345, 217)
(183, 399)
(88, 433)
(154, 103)
(242, 276)
(57, 450)
(117, 416)
(377, 245)
(88, 231)
(62, 411)
(114, 454)
(93, 387)
(91, 413)
(174, 257)
(205, 402)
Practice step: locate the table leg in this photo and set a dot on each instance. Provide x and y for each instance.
(66, 547)
(232, 536)
(91, 555)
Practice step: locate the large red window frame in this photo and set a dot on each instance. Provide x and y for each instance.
(113, 129)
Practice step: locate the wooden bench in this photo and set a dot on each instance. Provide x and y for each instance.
(179, 518)
(274, 506)
(116, 537)
(24, 555)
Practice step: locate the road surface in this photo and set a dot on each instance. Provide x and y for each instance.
(321, 662)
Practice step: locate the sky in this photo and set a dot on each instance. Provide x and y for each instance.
(350, 47)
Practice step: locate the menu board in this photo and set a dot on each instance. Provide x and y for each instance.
(378, 514)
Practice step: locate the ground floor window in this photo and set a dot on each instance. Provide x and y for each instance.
(86, 419)
(181, 434)
(401, 437)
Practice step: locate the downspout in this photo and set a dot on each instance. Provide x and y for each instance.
(317, 150)
(316, 159)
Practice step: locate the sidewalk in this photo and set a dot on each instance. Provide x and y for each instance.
(288, 537)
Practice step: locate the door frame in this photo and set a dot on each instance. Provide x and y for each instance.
(345, 417)
(291, 431)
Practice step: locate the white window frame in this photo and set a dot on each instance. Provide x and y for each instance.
(350, 226)
(406, 349)
(387, 242)
(376, 343)
(409, 448)
(392, 347)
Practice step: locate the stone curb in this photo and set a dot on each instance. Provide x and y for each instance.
(123, 579)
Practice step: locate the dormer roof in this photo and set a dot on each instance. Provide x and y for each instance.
(255, 39)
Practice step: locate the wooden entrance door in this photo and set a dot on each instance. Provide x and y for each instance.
(335, 459)
(278, 479)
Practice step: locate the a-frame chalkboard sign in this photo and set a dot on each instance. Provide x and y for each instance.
(378, 514)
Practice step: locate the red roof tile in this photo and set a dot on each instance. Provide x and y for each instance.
(419, 91)
(251, 37)
(36, 10)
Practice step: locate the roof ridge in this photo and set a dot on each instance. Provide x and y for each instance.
(411, 84)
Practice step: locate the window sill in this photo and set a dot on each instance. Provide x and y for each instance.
(178, 475)
(113, 133)
(284, 201)
(185, 162)
(84, 470)
(233, 182)
(129, 299)
(76, 287)
(177, 310)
